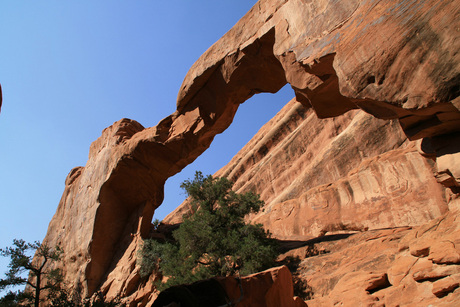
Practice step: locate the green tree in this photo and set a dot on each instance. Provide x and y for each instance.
(21, 261)
(214, 240)
(13, 299)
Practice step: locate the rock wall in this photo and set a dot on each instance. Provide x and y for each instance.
(387, 267)
(393, 59)
(350, 172)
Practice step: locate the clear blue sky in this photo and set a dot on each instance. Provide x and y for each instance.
(69, 69)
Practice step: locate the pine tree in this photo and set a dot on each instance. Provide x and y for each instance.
(215, 240)
(21, 261)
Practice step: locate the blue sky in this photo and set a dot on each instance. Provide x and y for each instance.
(69, 69)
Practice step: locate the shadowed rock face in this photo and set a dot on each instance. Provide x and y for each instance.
(393, 59)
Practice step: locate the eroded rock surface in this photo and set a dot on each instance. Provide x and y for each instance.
(393, 59)
(273, 287)
(387, 267)
(352, 172)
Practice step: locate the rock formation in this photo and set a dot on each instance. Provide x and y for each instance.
(350, 172)
(397, 60)
(386, 267)
(270, 288)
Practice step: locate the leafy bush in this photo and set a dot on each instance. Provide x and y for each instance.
(214, 240)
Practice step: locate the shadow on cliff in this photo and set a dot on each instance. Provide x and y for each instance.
(444, 149)
(287, 245)
(164, 232)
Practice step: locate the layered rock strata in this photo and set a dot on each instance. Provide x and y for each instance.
(352, 172)
(393, 59)
(385, 267)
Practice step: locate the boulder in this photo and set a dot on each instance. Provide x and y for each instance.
(270, 288)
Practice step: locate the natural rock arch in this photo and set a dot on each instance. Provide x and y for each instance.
(337, 56)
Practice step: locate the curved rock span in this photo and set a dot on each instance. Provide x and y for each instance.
(393, 59)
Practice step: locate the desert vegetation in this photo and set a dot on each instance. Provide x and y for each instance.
(213, 240)
(31, 265)
(21, 256)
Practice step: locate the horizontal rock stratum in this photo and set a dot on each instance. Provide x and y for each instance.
(396, 60)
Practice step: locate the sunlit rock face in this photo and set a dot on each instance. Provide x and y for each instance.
(396, 60)
(351, 172)
(400, 266)
(270, 288)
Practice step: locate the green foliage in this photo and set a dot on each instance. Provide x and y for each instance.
(22, 261)
(150, 260)
(99, 301)
(156, 223)
(62, 298)
(214, 240)
(14, 298)
(21, 256)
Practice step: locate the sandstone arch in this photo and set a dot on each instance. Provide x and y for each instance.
(337, 56)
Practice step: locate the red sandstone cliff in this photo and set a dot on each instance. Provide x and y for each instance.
(356, 189)
(396, 60)
(351, 172)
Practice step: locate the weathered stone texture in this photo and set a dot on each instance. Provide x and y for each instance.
(270, 288)
(393, 59)
(385, 267)
(351, 172)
